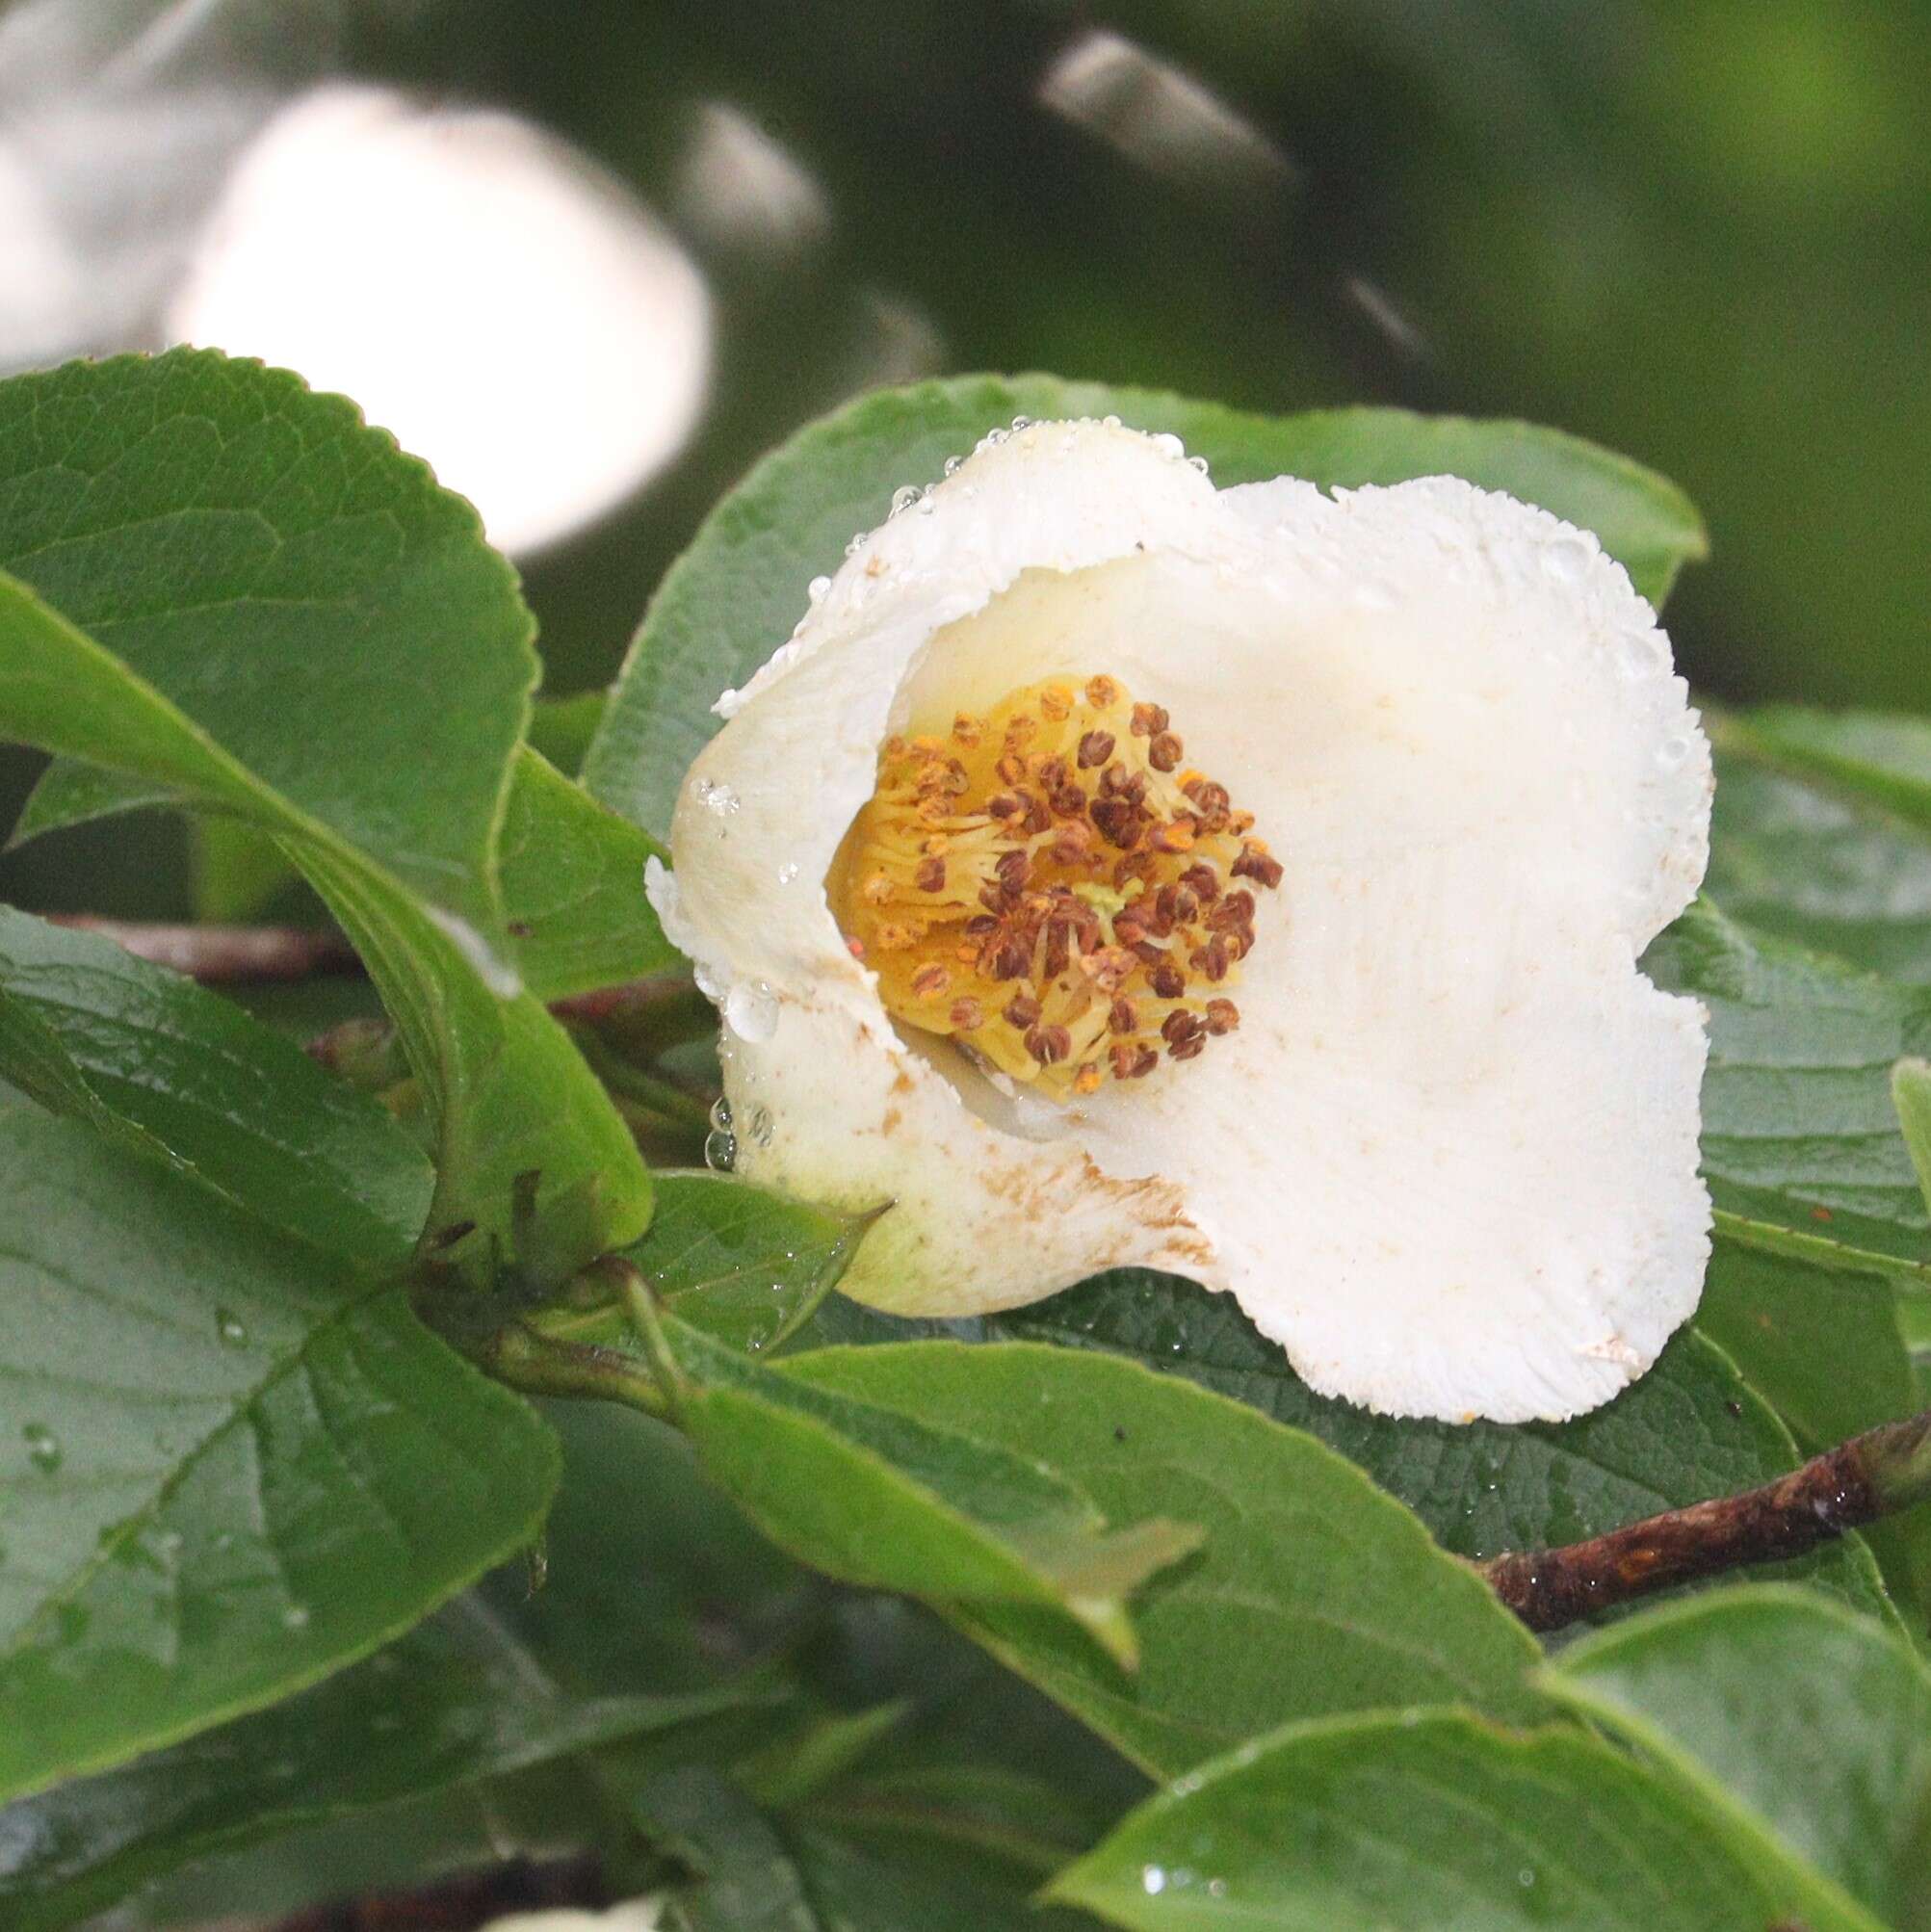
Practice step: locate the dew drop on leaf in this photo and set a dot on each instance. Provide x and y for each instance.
(43, 1447)
(231, 1328)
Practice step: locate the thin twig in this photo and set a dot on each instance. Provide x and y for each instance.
(1871, 1476)
(225, 955)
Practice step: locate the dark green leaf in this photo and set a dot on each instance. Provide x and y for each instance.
(734, 596)
(506, 1092)
(1419, 1822)
(454, 1702)
(739, 1262)
(1314, 1592)
(1799, 1127)
(1834, 872)
(890, 1499)
(229, 1464)
(148, 1055)
(561, 728)
(573, 888)
(1690, 1428)
(1811, 1726)
(742, 1877)
(304, 592)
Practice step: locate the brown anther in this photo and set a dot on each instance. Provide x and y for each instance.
(1001, 806)
(968, 729)
(1072, 843)
(1213, 959)
(1069, 802)
(1056, 703)
(1022, 1010)
(1149, 721)
(1012, 768)
(967, 1015)
(1190, 1048)
(930, 876)
(1095, 748)
(1009, 960)
(1087, 1080)
(1059, 948)
(1117, 821)
(931, 983)
(1052, 774)
(1102, 693)
(1130, 928)
(1013, 871)
(1123, 1017)
(1202, 881)
(1163, 754)
(1180, 1026)
(1167, 980)
(1159, 914)
(1222, 1016)
(1236, 909)
(1177, 837)
(1049, 1045)
(1185, 906)
(981, 925)
(1240, 821)
(1260, 865)
(1132, 1061)
(1148, 954)
(1239, 941)
(1039, 816)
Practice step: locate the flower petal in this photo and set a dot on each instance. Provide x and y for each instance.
(1448, 1158)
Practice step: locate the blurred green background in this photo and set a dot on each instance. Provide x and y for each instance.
(1696, 230)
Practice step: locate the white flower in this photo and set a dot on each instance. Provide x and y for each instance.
(1434, 1130)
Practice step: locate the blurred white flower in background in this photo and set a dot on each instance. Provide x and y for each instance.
(505, 311)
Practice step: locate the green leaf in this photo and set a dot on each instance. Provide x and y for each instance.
(746, 1266)
(1416, 1822)
(744, 1879)
(1812, 1727)
(1834, 872)
(561, 728)
(1911, 1096)
(1799, 1127)
(889, 1500)
(573, 888)
(229, 1464)
(1876, 759)
(147, 1056)
(305, 594)
(1689, 1430)
(733, 597)
(506, 1092)
(1314, 1592)
(456, 1702)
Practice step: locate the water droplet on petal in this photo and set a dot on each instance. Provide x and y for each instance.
(1167, 444)
(1197, 464)
(1152, 1879)
(1565, 558)
(43, 1447)
(1641, 654)
(1021, 423)
(721, 1151)
(715, 798)
(720, 1114)
(817, 589)
(1672, 752)
(788, 872)
(751, 1011)
(951, 464)
(904, 498)
(1110, 421)
(231, 1328)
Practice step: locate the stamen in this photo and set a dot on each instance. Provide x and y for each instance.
(1038, 883)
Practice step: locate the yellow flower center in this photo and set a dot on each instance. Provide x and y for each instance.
(1050, 887)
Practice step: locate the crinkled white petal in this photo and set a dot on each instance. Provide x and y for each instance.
(1449, 1160)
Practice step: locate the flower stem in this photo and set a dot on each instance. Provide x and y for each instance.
(1874, 1474)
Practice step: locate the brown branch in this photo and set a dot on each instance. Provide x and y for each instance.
(464, 1900)
(225, 955)
(1871, 1476)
